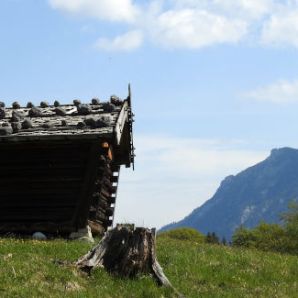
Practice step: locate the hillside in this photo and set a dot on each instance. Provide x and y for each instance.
(259, 193)
(196, 270)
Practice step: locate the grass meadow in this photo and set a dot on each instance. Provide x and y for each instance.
(195, 269)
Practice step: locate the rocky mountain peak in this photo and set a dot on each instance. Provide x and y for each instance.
(260, 193)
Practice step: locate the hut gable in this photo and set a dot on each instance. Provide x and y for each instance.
(60, 164)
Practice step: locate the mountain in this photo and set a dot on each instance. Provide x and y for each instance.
(259, 193)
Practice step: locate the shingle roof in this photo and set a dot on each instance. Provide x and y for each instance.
(94, 118)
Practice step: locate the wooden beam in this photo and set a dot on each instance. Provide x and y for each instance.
(81, 215)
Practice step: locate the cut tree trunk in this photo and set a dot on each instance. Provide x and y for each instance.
(126, 252)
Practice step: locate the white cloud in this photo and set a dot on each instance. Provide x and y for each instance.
(112, 10)
(245, 8)
(175, 175)
(280, 92)
(126, 42)
(189, 28)
(281, 29)
(194, 24)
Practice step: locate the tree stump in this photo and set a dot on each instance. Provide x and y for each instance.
(126, 252)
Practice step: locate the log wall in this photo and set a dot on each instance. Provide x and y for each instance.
(55, 186)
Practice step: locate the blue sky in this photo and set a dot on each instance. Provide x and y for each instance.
(215, 84)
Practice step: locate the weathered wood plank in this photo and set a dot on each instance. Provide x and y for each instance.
(82, 211)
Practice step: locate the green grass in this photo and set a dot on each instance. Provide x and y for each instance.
(196, 270)
(183, 234)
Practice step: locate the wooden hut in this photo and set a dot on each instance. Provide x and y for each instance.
(59, 164)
